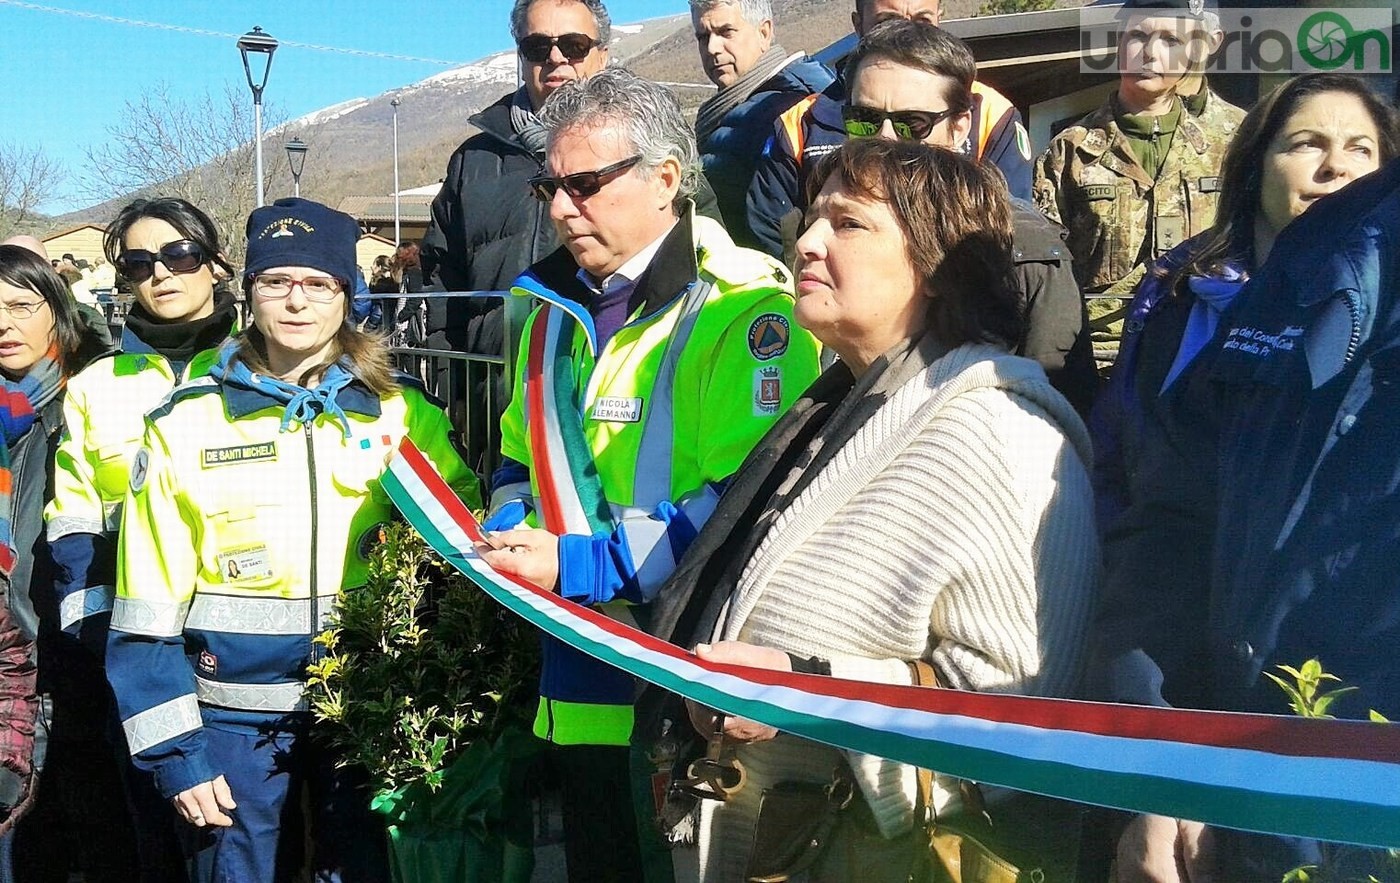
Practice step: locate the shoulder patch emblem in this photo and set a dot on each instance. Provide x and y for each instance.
(375, 536)
(767, 390)
(768, 336)
(140, 466)
(1023, 142)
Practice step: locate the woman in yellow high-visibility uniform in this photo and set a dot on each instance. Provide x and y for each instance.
(168, 251)
(253, 502)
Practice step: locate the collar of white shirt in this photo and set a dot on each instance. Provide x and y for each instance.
(631, 269)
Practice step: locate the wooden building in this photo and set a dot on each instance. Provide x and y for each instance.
(83, 242)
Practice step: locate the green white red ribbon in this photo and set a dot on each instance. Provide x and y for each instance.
(1332, 780)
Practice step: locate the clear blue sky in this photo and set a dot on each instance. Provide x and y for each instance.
(68, 76)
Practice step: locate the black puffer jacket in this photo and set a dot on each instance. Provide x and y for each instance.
(486, 229)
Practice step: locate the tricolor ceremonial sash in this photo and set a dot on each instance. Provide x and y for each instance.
(570, 496)
(1332, 780)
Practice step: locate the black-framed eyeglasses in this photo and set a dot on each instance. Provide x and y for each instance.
(580, 185)
(321, 289)
(535, 48)
(180, 256)
(908, 125)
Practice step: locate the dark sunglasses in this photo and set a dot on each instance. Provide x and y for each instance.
(580, 185)
(574, 47)
(909, 125)
(180, 256)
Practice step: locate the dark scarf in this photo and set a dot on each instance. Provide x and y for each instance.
(20, 403)
(181, 341)
(777, 471)
(714, 110)
(526, 124)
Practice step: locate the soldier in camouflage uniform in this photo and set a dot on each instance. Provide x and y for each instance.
(1139, 174)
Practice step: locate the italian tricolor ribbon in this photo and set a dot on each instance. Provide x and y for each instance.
(1332, 780)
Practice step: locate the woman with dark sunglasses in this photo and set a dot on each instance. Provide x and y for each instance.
(168, 252)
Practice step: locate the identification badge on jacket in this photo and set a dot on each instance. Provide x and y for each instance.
(245, 563)
(617, 409)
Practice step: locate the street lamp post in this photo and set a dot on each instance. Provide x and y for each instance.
(398, 236)
(296, 160)
(263, 45)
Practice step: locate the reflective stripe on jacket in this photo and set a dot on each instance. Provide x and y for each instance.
(104, 416)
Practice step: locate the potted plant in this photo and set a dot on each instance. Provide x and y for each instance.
(429, 684)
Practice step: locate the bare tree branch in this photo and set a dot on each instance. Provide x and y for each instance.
(199, 149)
(28, 178)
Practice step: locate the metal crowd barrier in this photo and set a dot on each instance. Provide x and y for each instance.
(470, 386)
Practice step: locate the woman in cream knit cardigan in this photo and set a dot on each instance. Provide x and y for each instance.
(928, 498)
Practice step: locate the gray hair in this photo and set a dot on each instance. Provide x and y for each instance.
(601, 20)
(755, 12)
(646, 114)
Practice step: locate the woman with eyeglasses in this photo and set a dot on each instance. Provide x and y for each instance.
(167, 251)
(254, 502)
(43, 343)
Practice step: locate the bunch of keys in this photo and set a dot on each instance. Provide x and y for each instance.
(714, 776)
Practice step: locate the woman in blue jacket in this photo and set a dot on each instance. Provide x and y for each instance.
(253, 502)
(1311, 136)
(1160, 631)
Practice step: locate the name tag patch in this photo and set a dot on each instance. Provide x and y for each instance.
(245, 563)
(211, 457)
(767, 391)
(1099, 191)
(1209, 184)
(617, 409)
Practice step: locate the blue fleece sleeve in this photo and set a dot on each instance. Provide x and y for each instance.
(631, 563)
(1009, 149)
(85, 565)
(772, 192)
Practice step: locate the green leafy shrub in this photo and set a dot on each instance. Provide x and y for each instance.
(420, 665)
(1340, 863)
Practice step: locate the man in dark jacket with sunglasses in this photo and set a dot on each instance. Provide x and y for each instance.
(486, 227)
(910, 79)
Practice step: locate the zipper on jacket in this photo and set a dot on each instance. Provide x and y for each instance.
(1355, 340)
(315, 589)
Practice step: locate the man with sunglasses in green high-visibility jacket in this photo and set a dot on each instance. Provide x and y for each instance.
(657, 354)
